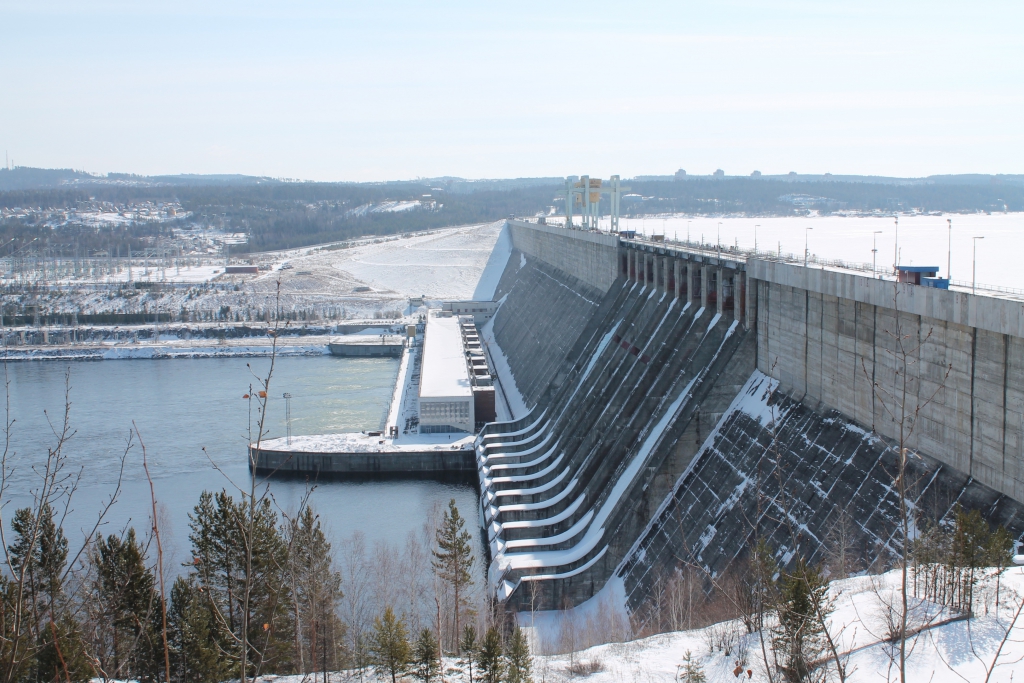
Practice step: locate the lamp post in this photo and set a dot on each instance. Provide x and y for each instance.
(755, 238)
(974, 266)
(719, 239)
(874, 253)
(807, 251)
(949, 253)
(896, 247)
(288, 415)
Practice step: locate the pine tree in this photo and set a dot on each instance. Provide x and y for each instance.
(316, 587)
(426, 657)
(195, 648)
(389, 645)
(469, 647)
(127, 638)
(520, 669)
(799, 636)
(691, 670)
(492, 664)
(453, 559)
(221, 542)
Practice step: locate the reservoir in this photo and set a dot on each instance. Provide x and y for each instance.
(194, 421)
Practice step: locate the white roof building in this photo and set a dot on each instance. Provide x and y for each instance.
(446, 393)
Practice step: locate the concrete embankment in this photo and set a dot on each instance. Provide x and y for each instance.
(445, 464)
(655, 437)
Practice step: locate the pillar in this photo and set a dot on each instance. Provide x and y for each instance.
(647, 268)
(737, 296)
(720, 290)
(664, 273)
(750, 296)
(658, 271)
(676, 272)
(703, 285)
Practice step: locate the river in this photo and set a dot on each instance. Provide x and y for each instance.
(182, 407)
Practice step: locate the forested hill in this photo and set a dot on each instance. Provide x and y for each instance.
(65, 211)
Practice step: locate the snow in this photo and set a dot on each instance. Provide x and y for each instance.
(923, 239)
(507, 389)
(401, 391)
(443, 372)
(495, 266)
(357, 442)
(947, 650)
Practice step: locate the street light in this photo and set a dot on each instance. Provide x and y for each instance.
(974, 266)
(288, 415)
(719, 239)
(896, 247)
(874, 253)
(755, 238)
(807, 251)
(949, 253)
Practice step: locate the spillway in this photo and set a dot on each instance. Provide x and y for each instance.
(671, 404)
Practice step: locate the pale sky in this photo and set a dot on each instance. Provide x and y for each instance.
(392, 90)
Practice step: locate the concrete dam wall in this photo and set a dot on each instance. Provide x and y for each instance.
(677, 403)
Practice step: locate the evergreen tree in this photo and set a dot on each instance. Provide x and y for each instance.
(691, 670)
(799, 636)
(389, 645)
(490, 660)
(453, 559)
(469, 647)
(222, 544)
(192, 634)
(126, 639)
(426, 657)
(316, 587)
(520, 668)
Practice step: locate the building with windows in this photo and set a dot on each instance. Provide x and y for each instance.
(446, 390)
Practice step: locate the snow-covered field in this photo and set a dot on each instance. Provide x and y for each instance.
(923, 239)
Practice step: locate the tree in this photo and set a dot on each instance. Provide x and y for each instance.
(520, 669)
(454, 559)
(691, 670)
(238, 556)
(126, 638)
(426, 656)
(490, 660)
(192, 631)
(389, 644)
(799, 637)
(469, 647)
(316, 591)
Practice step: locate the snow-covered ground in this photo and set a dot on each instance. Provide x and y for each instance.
(944, 649)
(924, 240)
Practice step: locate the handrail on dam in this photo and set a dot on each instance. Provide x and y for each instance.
(734, 253)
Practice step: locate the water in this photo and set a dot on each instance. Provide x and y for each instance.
(194, 422)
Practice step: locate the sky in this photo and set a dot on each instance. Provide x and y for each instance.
(393, 90)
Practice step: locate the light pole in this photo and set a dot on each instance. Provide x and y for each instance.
(949, 253)
(807, 251)
(896, 247)
(874, 253)
(974, 266)
(719, 239)
(687, 233)
(288, 415)
(755, 238)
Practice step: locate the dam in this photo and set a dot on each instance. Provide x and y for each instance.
(673, 404)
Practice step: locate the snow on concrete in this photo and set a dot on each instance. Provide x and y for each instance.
(509, 394)
(358, 442)
(495, 266)
(444, 372)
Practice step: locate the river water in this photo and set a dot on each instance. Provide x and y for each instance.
(182, 407)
